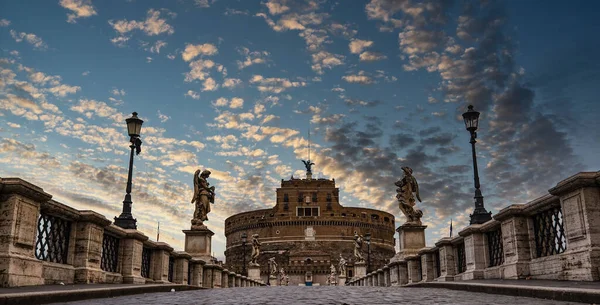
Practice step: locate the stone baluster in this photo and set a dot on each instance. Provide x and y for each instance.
(132, 245)
(225, 278)
(386, 276)
(160, 262)
(402, 272)
(379, 275)
(180, 268)
(197, 272)
(414, 275)
(89, 233)
(474, 252)
(427, 264)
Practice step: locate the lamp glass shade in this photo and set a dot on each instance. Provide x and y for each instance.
(134, 125)
(471, 118)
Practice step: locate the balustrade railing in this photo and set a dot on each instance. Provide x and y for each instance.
(110, 253)
(171, 267)
(495, 248)
(52, 242)
(461, 261)
(146, 256)
(549, 232)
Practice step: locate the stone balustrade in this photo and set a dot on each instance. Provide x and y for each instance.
(556, 237)
(43, 241)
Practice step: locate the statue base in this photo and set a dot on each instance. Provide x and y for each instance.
(341, 280)
(360, 269)
(412, 239)
(254, 272)
(198, 243)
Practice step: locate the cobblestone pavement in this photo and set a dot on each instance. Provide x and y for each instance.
(319, 295)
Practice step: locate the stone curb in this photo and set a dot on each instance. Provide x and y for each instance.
(45, 297)
(550, 293)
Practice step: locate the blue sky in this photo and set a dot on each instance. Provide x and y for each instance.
(234, 86)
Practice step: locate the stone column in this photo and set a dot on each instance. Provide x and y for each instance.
(124, 256)
(386, 276)
(414, 275)
(447, 262)
(427, 267)
(231, 279)
(208, 275)
(19, 211)
(515, 241)
(180, 267)
(402, 272)
(132, 245)
(238, 280)
(394, 274)
(225, 278)
(580, 203)
(380, 280)
(474, 252)
(160, 262)
(89, 233)
(244, 281)
(217, 275)
(197, 272)
(342, 280)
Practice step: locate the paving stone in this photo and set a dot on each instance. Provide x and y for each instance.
(292, 295)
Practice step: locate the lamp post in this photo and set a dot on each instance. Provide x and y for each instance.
(368, 240)
(480, 215)
(134, 128)
(244, 240)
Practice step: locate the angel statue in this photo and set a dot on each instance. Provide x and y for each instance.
(272, 266)
(308, 164)
(358, 241)
(255, 250)
(204, 195)
(342, 265)
(406, 187)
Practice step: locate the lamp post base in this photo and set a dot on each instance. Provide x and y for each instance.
(126, 222)
(479, 216)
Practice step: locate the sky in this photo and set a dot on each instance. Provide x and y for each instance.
(236, 86)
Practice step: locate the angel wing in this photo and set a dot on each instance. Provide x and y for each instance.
(196, 186)
(416, 189)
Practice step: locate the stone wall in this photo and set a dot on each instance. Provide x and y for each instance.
(43, 241)
(555, 237)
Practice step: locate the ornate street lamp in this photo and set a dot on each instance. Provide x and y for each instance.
(480, 215)
(134, 128)
(368, 240)
(244, 240)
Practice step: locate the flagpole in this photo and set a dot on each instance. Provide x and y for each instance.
(158, 231)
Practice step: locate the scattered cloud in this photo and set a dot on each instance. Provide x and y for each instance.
(162, 117)
(80, 9)
(357, 45)
(193, 94)
(4, 22)
(273, 84)
(153, 25)
(32, 39)
(192, 51)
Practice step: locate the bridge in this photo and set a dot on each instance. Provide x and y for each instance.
(546, 248)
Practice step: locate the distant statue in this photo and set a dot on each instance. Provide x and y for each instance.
(332, 275)
(204, 195)
(406, 187)
(342, 266)
(283, 278)
(358, 241)
(272, 266)
(255, 250)
(308, 164)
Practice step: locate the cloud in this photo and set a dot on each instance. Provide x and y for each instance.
(275, 85)
(162, 117)
(277, 7)
(357, 45)
(153, 25)
(359, 78)
(4, 22)
(356, 102)
(191, 51)
(116, 91)
(193, 94)
(32, 39)
(236, 102)
(204, 3)
(157, 45)
(63, 90)
(251, 58)
(324, 59)
(231, 83)
(371, 56)
(13, 125)
(199, 69)
(80, 9)
(209, 85)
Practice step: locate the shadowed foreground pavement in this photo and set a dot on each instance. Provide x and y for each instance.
(319, 295)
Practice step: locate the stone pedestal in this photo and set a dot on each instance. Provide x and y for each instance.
(394, 280)
(412, 239)
(254, 272)
(474, 252)
(402, 273)
(198, 243)
(272, 280)
(342, 280)
(181, 266)
(160, 262)
(360, 269)
(132, 245)
(427, 264)
(414, 275)
(197, 266)
(88, 248)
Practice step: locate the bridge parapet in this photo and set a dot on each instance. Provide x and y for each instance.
(43, 241)
(556, 237)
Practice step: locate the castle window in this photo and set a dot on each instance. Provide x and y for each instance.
(307, 212)
(328, 197)
(386, 219)
(300, 197)
(314, 197)
(286, 198)
(374, 217)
